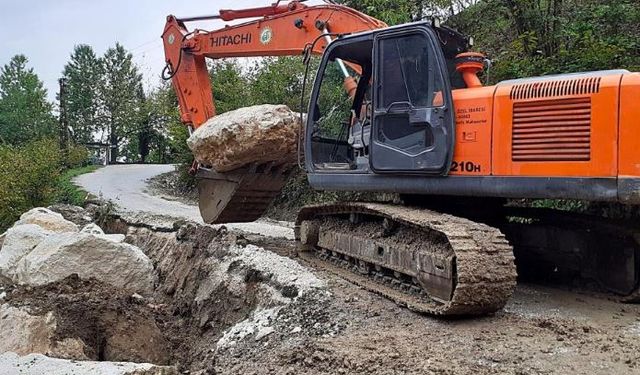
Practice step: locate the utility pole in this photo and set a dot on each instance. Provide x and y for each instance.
(64, 125)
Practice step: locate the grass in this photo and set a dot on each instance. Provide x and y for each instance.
(70, 193)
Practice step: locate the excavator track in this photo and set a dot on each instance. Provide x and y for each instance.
(432, 263)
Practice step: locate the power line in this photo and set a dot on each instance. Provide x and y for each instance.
(146, 43)
(147, 50)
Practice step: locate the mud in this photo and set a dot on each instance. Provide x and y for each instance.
(541, 331)
(215, 311)
(112, 324)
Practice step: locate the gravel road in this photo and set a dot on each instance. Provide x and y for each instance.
(126, 185)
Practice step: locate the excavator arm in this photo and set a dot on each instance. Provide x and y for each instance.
(279, 30)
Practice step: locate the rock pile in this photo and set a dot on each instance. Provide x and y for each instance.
(43, 247)
(257, 134)
(65, 294)
(167, 293)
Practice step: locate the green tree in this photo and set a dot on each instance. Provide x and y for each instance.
(230, 87)
(28, 177)
(121, 102)
(168, 141)
(82, 74)
(403, 11)
(526, 38)
(25, 113)
(279, 81)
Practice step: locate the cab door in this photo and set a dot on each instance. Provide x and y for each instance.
(413, 122)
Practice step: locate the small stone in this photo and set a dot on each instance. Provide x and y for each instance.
(92, 229)
(296, 329)
(136, 298)
(264, 332)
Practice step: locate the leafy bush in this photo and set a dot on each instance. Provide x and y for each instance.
(34, 175)
(76, 156)
(28, 178)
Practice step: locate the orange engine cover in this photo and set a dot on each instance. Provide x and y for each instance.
(574, 125)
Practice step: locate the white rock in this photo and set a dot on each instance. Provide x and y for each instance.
(48, 220)
(23, 333)
(260, 320)
(93, 228)
(264, 332)
(281, 270)
(260, 133)
(37, 364)
(19, 241)
(90, 256)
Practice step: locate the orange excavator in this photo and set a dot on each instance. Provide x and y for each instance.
(415, 120)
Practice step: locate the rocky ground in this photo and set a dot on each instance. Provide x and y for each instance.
(225, 302)
(169, 186)
(237, 300)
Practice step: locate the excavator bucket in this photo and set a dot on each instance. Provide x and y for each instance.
(241, 195)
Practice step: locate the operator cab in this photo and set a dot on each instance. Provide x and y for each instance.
(400, 118)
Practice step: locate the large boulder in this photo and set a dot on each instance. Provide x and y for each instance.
(23, 333)
(261, 133)
(38, 364)
(48, 220)
(19, 241)
(89, 256)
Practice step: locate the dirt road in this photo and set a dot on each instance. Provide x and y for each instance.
(542, 330)
(126, 185)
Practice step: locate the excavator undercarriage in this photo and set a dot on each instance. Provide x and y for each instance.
(437, 263)
(430, 262)
(557, 245)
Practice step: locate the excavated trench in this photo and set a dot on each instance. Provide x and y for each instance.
(213, 290)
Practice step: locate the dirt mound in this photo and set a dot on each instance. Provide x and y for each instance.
(113, 325)
(223, 292)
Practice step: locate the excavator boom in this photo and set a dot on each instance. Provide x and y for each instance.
(280, 30)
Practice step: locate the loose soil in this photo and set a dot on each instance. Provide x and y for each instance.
(542, 330)
(113, 325)
(171, 186)
(252, 323)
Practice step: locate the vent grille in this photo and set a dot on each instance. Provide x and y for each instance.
(552, 130)
(549, 89)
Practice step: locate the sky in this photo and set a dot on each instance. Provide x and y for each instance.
(47, 30)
